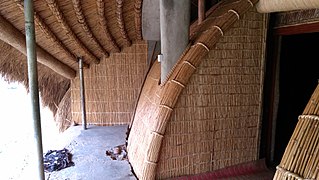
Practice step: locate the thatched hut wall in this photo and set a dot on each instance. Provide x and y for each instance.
(111, 87)
(215, 122)
(173, 135)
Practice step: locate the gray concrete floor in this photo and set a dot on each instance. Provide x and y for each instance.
(88, 149)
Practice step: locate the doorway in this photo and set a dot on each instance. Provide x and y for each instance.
(295, 74)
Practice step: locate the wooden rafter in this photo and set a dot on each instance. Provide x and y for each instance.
(138, 18)
(12, 36)
(102, 20)
(120, 22)
(60, 18)
(49, 34)
(85, 27)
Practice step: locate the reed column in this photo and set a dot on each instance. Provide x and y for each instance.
(174, 24)
(33, 87)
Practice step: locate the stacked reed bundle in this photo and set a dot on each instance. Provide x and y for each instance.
(87, 36)
(218, 112)
(149, 127)
(301, 157)
(63, 116)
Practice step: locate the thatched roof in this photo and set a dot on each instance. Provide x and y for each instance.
(66, 30)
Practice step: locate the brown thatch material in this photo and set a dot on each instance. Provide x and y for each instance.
(215, 122)
(13, 67)
(63, 116)
(301, 157)
(138, 18)
(67, 38)
(157, 102)
(68, 30)
(112, 87)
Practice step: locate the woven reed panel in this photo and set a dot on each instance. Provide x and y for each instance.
(215, 123)
(296, 17)
(112, 87)
(141, 128)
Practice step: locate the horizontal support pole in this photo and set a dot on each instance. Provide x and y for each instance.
(13, 37)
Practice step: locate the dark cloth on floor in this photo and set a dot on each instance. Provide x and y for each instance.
(55, 160)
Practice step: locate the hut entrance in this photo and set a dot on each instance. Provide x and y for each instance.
(294, 75)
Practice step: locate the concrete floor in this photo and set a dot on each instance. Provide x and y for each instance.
(88, 148)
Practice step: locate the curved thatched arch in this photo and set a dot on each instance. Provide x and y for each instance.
(152, 115)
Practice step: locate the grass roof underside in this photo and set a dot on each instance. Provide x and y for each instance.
(52, 87)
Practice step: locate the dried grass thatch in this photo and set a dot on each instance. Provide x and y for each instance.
(13, 68)
(67, 29)
(157, 102)
(63, 116)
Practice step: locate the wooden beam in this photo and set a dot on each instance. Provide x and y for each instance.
(298, 29)
(201, 11)
(13, 37)
(103, 22)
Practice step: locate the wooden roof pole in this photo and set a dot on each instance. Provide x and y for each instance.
(13, 37)
(201, 11)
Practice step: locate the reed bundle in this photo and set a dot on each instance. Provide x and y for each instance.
(157, 102)
(301, 157)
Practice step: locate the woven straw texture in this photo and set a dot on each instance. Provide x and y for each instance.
(67, 29)
(301, 157)
(268, 6)
(291, 18)
(111, 87)
(157, 102)
(52, 87)
(215, 122)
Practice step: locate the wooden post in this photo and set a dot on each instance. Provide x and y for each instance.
(82, 90)
(201, 11)
(34, 90)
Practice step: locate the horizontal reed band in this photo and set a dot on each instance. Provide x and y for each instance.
(251, 3)
(236, 13)
(165, 106)
(150, 162)
(158, 134)
(219, 29)
(311, 117)
(290, 174)
(202, 44)
(179, 83)
(190, 64)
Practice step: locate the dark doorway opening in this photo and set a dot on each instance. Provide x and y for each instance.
(298, 77)
(294, 79)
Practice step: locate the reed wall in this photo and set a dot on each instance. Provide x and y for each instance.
(111, 87)
(216, 121)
